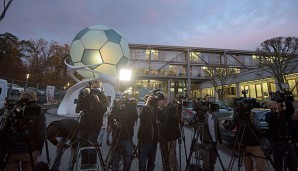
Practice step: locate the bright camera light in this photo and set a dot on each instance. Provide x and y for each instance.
(125, 75)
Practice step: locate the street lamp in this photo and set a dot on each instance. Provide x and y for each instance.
(27, 76)
(124, 75)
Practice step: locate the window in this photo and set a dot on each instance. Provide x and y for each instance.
(292, 84)
(259, 93)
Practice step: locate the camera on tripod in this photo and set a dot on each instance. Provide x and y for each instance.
(121, 110)
(281, 97)
(244, 105)
(23, 114)
(157, 95)
(201, 108)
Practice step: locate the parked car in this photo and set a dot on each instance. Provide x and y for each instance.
(141, 103)
(188, 113)
(59, 94)
(15, 88)
(38, 91)
(229, 130)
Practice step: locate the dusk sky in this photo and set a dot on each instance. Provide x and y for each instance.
(229, 24)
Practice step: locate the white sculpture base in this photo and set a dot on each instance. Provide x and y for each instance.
(68, 104)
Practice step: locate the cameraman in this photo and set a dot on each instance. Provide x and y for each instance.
(65, 129)
(251, 146)
(94, 106)
(26, 131)
(295, 126)
(210, 137)
(148, 135)
(122, 120)
(280, 132)
(170, 132)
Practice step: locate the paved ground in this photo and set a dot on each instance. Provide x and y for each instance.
(224, 154)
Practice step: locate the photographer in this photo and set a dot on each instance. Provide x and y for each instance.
(94, 106)
(148, 134)
(252, 149)
(280, 132)
(66, 130)
(210, 137)
(25, 133)
(295, 127)
(122, 120)
(170, 132)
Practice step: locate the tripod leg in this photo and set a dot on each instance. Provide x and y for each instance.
(192, 149)
(238, 145)
(47, 151)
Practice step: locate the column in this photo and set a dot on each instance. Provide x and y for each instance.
(238, 90)
(215, 95)
(169, 89)
(188, 74)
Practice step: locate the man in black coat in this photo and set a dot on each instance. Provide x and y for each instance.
(281, 131)
(25, 133)
(65, 129)
(122, 120)
(95, 104)
(170, 132)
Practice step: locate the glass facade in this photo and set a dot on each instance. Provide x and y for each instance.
(178, 70)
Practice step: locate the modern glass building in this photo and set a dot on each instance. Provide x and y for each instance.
(179, 70)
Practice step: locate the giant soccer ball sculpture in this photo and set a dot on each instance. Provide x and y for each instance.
(97, 53)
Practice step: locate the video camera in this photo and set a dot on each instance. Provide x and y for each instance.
(201, 107)
(157, 95)
(281, 97)
(244, 105)
(121, 109)
(23, 114)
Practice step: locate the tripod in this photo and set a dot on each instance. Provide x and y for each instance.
(240, 153)
(180, 139)
(25, 135)
(74, 143)
(200, 127)
(70, 136)
(116, 145)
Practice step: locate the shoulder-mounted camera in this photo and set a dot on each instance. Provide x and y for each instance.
(281, 97)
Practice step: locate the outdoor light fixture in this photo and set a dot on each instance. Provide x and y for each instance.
(125, 75)
(27, 76)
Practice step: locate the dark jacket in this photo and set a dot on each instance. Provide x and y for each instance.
(66, 127)
(148, 129)
(206, 134)
(93, 111)
(123, 121)
(169, 122)
(280, 128)
(248, 136)
(35, 126)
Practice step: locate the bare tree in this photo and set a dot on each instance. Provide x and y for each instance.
(220, 76)
(278, 56)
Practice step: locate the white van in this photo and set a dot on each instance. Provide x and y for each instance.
(3, 94)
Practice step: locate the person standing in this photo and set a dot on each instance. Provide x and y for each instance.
(122, 121)
(294, 122)
(170, 132)
(148, 135)
(251, 146)
(280, 132)
(211, 137)
(26, 134)
(103, 130)
(65, 129)
(94, 106)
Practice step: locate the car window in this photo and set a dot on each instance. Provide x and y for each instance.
(222, 106)
(187, 104)
(16, 85)
(263, 116)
